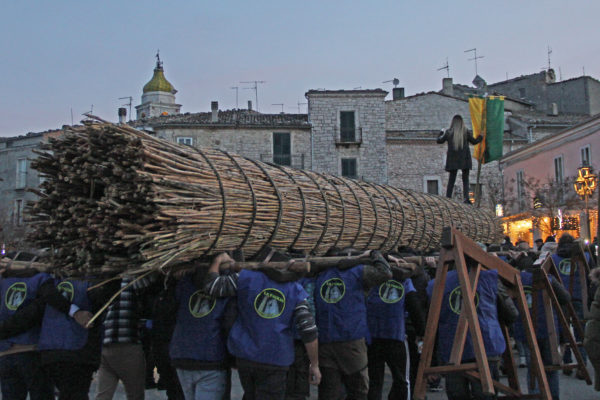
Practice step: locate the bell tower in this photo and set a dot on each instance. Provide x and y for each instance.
(158, 96)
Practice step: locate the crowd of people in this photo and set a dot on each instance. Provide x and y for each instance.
(283, 330)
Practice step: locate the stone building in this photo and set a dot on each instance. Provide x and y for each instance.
(158, 96)
(17, 177)
(348, 133)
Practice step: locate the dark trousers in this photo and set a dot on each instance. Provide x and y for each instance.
(72, 380)
(452, 180)
(459, 387)
(298, 386)
(332, 381)
(21, 374)
(262, 383)
(394, 353)
(413, 356)
(168, 375)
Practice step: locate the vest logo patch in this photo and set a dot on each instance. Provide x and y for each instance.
(565, 266)
(456, 300)
(333, 290)
(201, 304)
(66, 289)
(269, 303)
(528, 295)
(15, 295)
(391, 291)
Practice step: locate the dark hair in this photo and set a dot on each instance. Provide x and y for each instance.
(539, 240)
(566, 238)
(550, 239)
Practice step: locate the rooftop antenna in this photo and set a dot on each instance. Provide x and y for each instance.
(255, 88)
(127, 104)
(446, 67)
(559, 74)
(278, 104)
(300, 104)
(236, 94)
(395, 81)
(357, 88)
(475, 57)
(88, 113)
(71, 116)
(549, 52)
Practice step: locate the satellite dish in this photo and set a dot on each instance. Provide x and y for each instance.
(395, 81)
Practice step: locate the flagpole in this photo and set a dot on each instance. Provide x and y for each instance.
(480, 159)
(477, 187)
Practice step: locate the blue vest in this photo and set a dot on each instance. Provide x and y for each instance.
(564, 266)
(262, 332)
(485, 301)
(198, 331)
(16, 293)
(541, 329)
(59, 330)
(385, 309)
(340, 305)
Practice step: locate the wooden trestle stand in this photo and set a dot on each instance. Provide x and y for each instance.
(455, 248)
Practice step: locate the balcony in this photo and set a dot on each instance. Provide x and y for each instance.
(348, 138)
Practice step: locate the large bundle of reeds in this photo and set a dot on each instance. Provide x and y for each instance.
(117, 199)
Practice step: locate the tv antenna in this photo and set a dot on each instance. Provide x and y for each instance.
(255, 88)
(475, 57)
(236, 94)
(446, 67)
(395, 81)
(549, 52)
(300, 104)
(278, 104)
(127, 104)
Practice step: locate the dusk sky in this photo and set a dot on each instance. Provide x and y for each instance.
(63, 55)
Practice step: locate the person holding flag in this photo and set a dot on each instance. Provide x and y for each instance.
(459, 155)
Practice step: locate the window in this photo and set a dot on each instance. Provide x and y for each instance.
(349, 168)
(432, 184)
(21, 173)
(522, 93)
(188, 141)
(586, 156)
(558, 169)
(520, 190)
(18, 216)
(347, 126)
(282, 149)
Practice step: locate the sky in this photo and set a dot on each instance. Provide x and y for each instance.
(62, 57)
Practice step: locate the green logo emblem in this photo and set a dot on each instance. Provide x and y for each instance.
(15, 295)
(565, 266)
(456, 300)
(66, 289)
(333, 290)
(391, 291)
(528, 296)
(269, 303)
(201, 304)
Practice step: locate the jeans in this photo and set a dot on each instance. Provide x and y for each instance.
(394, 353)
(22, 373)
(202, 384)
(459, 387)
(263, 383)
(552, 376)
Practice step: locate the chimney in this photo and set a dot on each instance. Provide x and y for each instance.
(447, 87)
(214, 108)
(397, 93)
(122, 115)
(249, 105)
(553, 109)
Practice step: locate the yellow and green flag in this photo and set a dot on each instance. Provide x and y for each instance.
(487, 119)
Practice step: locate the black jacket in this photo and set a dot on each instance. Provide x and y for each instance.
(458, 158)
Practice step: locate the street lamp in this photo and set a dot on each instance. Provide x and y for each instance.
(584, 186)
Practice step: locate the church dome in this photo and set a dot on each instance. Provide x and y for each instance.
(158, 83)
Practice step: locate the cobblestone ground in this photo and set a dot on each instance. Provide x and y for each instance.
(570, 388)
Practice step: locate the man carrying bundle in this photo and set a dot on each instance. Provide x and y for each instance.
(261, 338)
(386, 306)
(342, 321)
(493, 304)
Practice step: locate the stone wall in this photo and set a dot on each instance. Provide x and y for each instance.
(369, 150)
(255, 143)
(429, 111)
